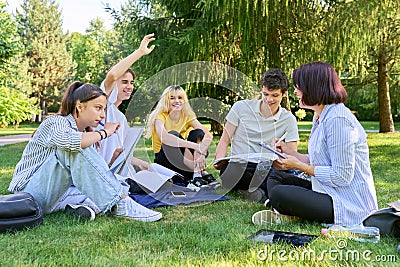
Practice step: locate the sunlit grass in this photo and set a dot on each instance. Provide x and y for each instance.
(26, 128)
(205, 235)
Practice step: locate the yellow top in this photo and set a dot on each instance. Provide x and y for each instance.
(183, 127)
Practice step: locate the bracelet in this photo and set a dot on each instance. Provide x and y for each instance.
(306, 171)
(104, 133)
(101, 136)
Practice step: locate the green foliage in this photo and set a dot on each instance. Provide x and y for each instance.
(15, 107)
(10, 44)
(366, 35)
(252, 36)
(93, 52)
(13, 71)
(249, 36)
(45, 50)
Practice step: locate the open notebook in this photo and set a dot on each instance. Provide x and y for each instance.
(249, 157)
(153, 180)
(120, 165)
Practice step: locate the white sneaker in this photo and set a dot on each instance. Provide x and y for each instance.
(130, 209)
(196, 175)
(263, 217)
(81, 211)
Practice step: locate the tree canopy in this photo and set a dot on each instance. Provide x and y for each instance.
(51, 65)
(359, 38)
(252, 36)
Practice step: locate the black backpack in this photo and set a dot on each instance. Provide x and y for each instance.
(387, 219)
(19, 211)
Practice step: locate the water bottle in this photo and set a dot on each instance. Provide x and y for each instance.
(358, 233)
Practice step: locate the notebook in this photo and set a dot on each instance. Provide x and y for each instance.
(132, 138)
(153, 180)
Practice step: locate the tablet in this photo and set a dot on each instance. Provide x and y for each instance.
(271, 236)
(268, 147)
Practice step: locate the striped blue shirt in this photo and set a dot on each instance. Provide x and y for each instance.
(54, 132)
(338, 149)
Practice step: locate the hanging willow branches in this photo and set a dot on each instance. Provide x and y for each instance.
(250, 36)
(368, 38)
(254, 35)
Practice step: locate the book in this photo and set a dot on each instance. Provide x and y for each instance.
(120, 165)
(248, 157)
(269, 148)
(154, 179)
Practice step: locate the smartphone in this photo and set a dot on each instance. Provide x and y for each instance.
(270, 236)
(178, 193)
(268, 147)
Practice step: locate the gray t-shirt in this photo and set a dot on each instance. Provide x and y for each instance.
(253, 127)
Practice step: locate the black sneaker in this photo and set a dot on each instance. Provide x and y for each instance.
(198, 181)
(81, 211)
(257, 195)
(208, 178)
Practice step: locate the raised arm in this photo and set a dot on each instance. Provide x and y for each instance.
(120, 68)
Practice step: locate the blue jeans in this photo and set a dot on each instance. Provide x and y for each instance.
(75, 197)
(86, 170)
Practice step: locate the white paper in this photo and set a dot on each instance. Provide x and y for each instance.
(163, 170)
(154, 179)
(151, 180)
(250, 157)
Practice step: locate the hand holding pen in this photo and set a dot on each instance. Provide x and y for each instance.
(110, 127)
(278, 141)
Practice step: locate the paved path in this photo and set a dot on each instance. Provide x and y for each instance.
(12, 139)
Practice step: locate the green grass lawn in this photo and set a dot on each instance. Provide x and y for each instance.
(368, 125)
(25, 128)
(213, 234)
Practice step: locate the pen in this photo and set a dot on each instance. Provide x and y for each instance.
(102, 124)
(282, 138)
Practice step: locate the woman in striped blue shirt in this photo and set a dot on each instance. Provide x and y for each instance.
(341, 188)
(61, 153)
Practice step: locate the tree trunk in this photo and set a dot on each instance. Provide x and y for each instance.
(386, 124)
(216, 128)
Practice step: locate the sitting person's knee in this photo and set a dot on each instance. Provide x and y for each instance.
(277, 195)
(175, 133)
(196, 135)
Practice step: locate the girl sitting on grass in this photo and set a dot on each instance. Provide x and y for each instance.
(171, 121)
(61, 153)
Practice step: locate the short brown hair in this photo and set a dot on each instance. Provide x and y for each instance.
(131, 72)
(319, 83)
(275, 78)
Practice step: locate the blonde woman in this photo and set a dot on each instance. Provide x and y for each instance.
(171, 121)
